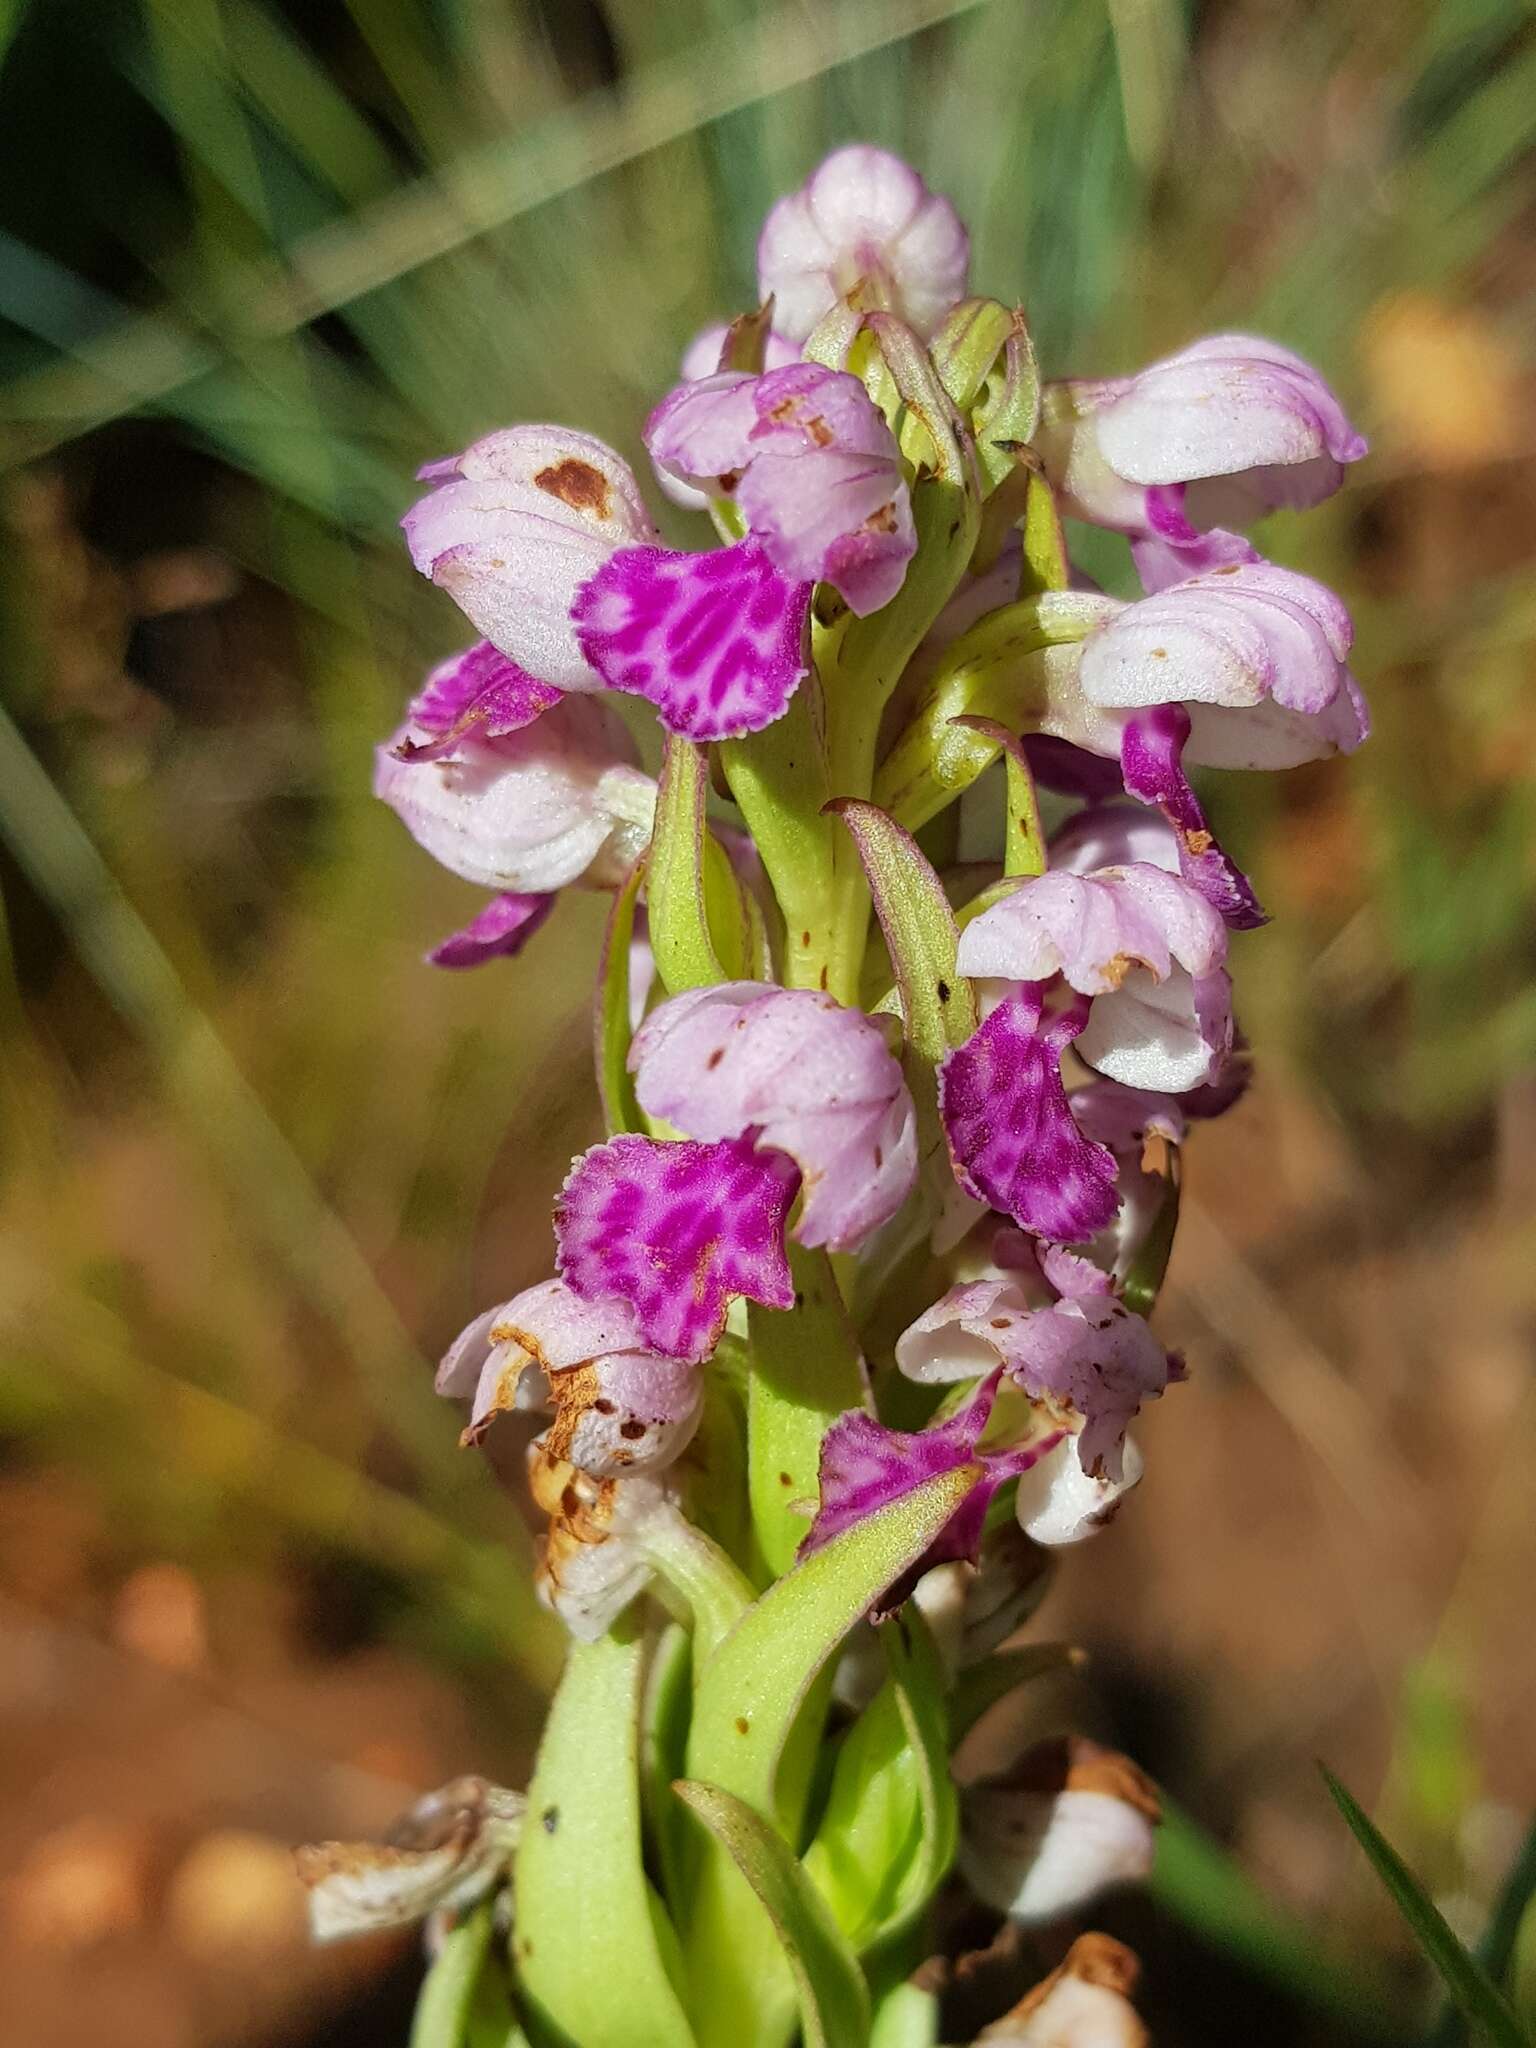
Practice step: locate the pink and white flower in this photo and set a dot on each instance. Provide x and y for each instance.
(1213, 437)
(701, 358)
(1144, 945)
(863, 217)
(1086, 1358)
(529, 807)
(802, 1075)
(811, 464)
(1084, 2003)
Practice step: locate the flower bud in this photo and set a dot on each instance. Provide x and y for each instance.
(864, 217)
(449, 1850)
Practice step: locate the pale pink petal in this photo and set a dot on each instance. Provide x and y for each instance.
(863, 214)
(478, 691)
(805, 1076)
(514, 527)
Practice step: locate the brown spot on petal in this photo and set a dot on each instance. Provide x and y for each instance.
(576, 484)
(1198, 842)
(882, 521)
(1158, 653)
(573, 1392)
(715, 1058)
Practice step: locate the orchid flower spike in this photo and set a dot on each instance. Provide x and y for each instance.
(1213, 437)
(863, 218)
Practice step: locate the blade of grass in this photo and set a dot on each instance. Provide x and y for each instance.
(1487, 2010)
(1496, 1949)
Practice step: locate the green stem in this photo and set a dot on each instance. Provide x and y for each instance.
(806, 1371)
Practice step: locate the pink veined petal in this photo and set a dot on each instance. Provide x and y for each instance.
(800, 1073)
(1011, 1134)
(1173, 549)
(499, 932)
(717, 642)
(677, 1230)
(1151, 765)
(1124, 1118)
(1088, 929)
(963, 1334)
(865, 1467)
(700, 432)
(476, 691)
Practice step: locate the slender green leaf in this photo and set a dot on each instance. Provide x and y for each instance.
(920, 931)
(834, 2004)
(1487, 2010)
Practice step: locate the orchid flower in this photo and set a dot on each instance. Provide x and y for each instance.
(848, 1314)
(1210, 438)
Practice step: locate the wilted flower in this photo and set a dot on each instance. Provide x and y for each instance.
(453, 1847)
(1085, 2003)
(618, 1407)
(1067, 1821)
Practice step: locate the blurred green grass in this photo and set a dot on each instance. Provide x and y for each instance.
(258, 262)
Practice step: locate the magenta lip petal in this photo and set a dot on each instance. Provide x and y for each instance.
(677, 1230)
(866, 1467)
(479, 690)
(1011, 1133)
(717, 642)
(1151, 764)
(499, 932)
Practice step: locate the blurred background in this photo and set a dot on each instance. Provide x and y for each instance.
(259, 259)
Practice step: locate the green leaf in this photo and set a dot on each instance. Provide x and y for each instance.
(448, 1990)
(610, 1012)
(764, 1680)
(980, 1688)
(806, 1371)
(751, 1689)
(834, 2004)
(697, 1569)
(918, 1682)
(920, 930)
(698, 923)
(588, 1944)
(1496, 1949)
(1487, 2010)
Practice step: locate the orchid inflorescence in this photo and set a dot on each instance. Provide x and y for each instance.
(915, 980)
